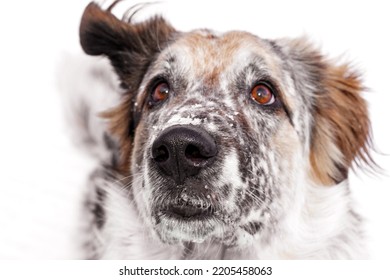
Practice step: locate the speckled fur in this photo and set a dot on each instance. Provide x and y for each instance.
(269, 200)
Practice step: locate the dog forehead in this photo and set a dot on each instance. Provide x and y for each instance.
(207, 54)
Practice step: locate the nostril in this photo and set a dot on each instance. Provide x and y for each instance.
(194, 154)
(161, 154)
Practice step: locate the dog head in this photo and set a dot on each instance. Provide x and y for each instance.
(221, 132)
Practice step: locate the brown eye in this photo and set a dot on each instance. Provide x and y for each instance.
(263, 95)
(160, 93)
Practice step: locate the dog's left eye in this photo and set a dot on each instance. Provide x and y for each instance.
(262, 94)
(160, 93)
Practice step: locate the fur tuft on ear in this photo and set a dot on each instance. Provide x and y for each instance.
(341, 127)
(131, 48)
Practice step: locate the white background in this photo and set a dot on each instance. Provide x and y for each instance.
(42, 174)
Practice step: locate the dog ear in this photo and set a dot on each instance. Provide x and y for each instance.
(340, 126)
(130, 47)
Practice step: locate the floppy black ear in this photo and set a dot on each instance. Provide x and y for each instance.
(130, 47)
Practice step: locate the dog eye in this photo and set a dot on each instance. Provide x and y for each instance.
(262, 94)
(160, 93)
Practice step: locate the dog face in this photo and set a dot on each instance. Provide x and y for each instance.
(220, 132)
(214, 138)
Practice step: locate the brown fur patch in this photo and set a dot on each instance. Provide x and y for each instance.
(341, 120)
(119, 124)
(212, 54)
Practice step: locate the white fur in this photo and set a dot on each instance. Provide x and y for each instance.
(301, 236)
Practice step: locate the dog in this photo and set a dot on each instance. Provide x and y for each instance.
(216, 146)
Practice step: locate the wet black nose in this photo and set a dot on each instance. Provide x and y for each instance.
(181, 151)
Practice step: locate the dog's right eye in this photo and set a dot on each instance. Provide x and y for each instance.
(262, 94)
(160, 93)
